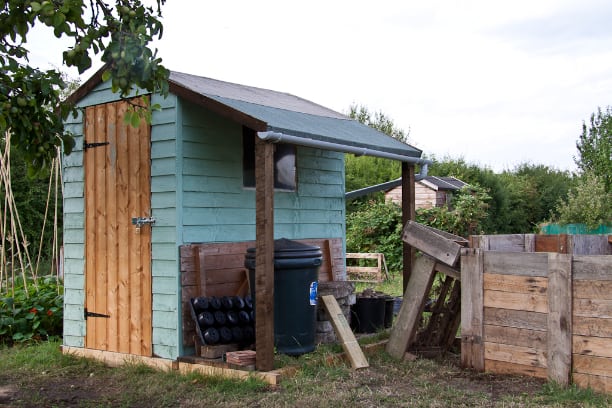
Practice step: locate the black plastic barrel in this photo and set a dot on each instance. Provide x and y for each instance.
(368, 314)
(296, 270)
(389, 301)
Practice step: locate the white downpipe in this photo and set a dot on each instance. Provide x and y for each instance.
(277, 137)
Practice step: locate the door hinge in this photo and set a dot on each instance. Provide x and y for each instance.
(93, 314)
(93, 144)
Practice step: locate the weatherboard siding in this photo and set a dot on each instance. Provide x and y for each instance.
(164, 202)
(164, 248)
(74, 238)
(216, 206)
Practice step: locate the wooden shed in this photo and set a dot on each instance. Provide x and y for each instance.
(221, 164)
(431, 191)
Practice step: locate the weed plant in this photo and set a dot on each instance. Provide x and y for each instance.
(32, 312)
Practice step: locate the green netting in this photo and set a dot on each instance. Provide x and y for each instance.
(575, 229)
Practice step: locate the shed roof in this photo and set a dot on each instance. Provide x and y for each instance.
(286, 113)
(267, 110)
(444, 183)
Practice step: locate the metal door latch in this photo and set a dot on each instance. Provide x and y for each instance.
(140, 221)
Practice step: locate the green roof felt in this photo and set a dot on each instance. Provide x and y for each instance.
(286, 113)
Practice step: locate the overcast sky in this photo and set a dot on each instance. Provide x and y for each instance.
(497, 83)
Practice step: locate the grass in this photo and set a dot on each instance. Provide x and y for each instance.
(40, 375)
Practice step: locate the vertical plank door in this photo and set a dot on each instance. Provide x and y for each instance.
(117, 254)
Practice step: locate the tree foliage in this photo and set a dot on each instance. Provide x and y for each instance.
(376, 226)
(365, 171)
(465, 216)
(475, 175)
(588, 203)
(31, 107)
(533, 192)
(595, 147)
(379, 121)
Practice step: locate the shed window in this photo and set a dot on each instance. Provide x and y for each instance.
(284, 162)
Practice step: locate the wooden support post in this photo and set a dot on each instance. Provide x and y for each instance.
(559, 361)
(472, 309)
(408, 214)
(412, 307)
(264, 254)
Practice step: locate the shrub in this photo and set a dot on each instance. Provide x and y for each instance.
(32, 315)
(376, 227)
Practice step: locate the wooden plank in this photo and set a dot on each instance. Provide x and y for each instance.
(112, 228)
(503, 367)
(124, 232)
(516, 301)
(559, 318)
(592, 326)
(600, 308)
(593, 365)
(448, 271)
(515, 283)
(507, 243)
(513, 263)
(592, 346)
(408, 214)
(592, 289)
(516, 336)
(431, 243)
(412, 307)
(590, 245)
(100, 270)
(515, 354)
(592, 267)
(264, 254)
(346, 336)
(515, 318)
(114, 359)
(364, 255)
(472, 309)
(551, 243)
(530, 242)
(595, 382)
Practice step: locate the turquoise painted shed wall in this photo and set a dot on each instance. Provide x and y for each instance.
(216, 206)
(197, 195)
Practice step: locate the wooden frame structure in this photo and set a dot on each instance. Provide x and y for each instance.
(372, 274)
(542, 314)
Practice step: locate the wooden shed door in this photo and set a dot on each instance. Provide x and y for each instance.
(117, 254)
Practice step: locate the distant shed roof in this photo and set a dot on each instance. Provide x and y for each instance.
(443, 183)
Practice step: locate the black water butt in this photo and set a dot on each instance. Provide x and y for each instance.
(296, 271)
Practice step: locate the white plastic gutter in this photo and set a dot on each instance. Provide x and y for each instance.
(277, 137)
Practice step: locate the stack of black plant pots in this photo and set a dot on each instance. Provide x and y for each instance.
(224, 320)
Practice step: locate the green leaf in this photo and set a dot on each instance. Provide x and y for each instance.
(135, 119)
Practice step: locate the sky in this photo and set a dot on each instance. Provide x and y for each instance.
(495, 83)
